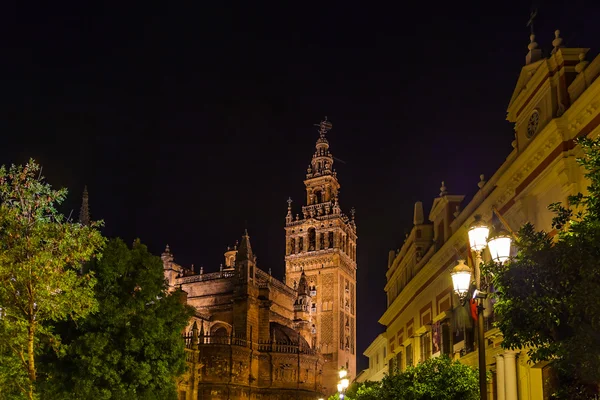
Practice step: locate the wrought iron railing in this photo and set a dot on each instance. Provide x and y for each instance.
(193, 342)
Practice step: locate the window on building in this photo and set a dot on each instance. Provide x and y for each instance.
(409, 355)
(446, 344)
(312, 237)
(425, 346)
(399, 362)
(330, 240)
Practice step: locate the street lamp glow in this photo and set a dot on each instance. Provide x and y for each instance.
(499, 246)
(461, 278)
(345, 383)
(478, 234)
(340, 388)
(343, 372)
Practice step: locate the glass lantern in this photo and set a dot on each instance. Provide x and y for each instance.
(499, 246)
(461, 279)
(478, 234)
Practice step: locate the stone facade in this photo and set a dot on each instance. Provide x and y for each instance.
(556, 100)
(321, 243)
(248, 337)
(255, 337)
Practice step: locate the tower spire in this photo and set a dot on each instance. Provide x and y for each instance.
(289, 217)
(84, 212)
(322, 160)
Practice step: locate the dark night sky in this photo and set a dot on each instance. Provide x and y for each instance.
(189, 124)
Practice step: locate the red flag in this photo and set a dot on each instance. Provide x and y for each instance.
(473, 305)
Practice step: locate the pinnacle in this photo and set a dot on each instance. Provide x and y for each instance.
(84, 212)
(245, 249)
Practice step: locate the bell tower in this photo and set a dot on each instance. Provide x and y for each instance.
(321, 250)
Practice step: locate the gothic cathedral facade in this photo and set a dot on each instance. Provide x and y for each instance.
(321, 242)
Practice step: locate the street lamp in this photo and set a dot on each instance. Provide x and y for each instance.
(344, 382)
(461, 279)
(499, 246)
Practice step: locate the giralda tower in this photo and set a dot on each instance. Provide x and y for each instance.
(321, 242)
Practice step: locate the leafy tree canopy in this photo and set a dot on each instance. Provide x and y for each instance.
(41, 253)
(132, 347)
(547, 296)
(437, 378)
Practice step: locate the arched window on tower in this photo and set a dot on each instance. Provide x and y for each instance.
(330, 239)
(319, 198)
(312, 237)
(300, 244)
(322, 241)
(292, 246)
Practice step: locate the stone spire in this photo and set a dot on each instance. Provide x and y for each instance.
(245, 250)
(418, 218)
(322, 161)
(443, 189)
(167, 256)
(579, 68)
(84, 212)
(289, 217)
(557, 42)
(534, 54)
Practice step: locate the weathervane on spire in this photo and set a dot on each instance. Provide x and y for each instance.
(324, 126)
(531, 18)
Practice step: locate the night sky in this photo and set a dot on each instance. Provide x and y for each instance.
(189, 125)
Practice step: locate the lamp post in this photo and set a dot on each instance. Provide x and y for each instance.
(343, 383)
(499, 247)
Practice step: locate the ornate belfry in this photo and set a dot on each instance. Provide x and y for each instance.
(321, 244)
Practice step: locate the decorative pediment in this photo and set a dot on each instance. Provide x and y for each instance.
(527, 73)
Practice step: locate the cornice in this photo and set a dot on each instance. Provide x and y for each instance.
(379, 342)
(439, 258)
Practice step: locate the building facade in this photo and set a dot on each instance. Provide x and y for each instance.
(556, 100)
(255, 337)
(321, 243)
(378, 360)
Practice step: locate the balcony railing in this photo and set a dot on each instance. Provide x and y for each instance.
(271, 346)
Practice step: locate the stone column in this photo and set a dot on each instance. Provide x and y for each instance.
(500, 377)
(510, 375)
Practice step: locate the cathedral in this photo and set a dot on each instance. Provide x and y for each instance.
(256, 337)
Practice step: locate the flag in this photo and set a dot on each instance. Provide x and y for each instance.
(473, 304)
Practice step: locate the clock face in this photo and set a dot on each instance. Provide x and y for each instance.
(534, 122)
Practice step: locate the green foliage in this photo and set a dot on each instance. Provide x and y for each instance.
(132, 347)
(40, 278)
(547, 295)
(435, 379)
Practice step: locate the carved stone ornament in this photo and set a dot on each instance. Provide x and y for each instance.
(533, 124)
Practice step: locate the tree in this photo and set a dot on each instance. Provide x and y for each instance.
(546, 296)
(132, 347)
(437, 378)
(40, 280)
